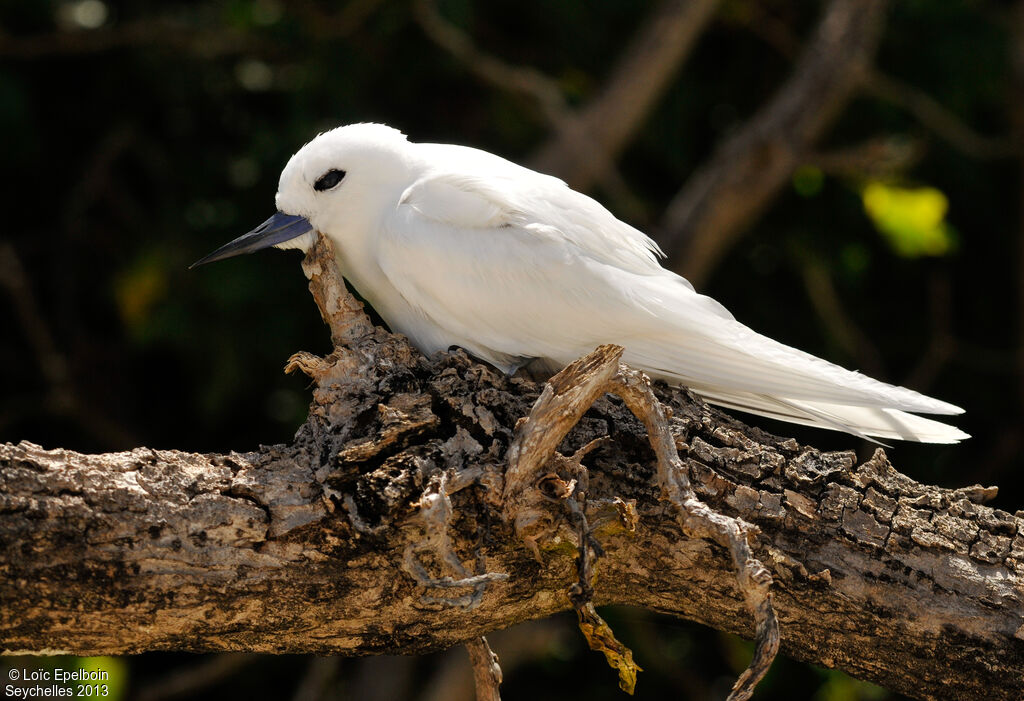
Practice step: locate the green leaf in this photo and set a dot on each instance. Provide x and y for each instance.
(912, 220)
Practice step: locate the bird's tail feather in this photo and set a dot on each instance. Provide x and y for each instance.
(865, 422)
(731, 365)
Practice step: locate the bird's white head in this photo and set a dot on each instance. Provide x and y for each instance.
(334, 184)
(340, 173)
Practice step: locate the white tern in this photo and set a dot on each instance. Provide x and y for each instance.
(454, 246)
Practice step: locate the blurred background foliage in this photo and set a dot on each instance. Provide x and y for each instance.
(140, 135)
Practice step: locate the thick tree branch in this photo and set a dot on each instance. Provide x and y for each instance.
(709, 214)
(303, 547)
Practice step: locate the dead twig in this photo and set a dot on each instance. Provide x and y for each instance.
(486, 670)
(699, 521)
(452, 679)
(563, 402)
(340, 311)
(566, 397)
(597, 632)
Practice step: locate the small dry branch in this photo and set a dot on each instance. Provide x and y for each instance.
(486, 671)
(564, 400)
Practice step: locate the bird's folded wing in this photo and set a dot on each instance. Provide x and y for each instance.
(473, 189)
(501, 290)
(502, 276)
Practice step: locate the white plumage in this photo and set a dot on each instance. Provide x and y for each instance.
(454, 246)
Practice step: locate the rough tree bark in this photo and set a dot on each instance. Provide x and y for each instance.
(390, 525)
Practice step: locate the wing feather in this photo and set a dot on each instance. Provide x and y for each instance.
(482, 254)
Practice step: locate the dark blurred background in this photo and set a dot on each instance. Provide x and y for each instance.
(845, 176)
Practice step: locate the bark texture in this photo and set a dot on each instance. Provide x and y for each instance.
(384, 528)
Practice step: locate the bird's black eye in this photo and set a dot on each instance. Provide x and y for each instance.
(328, 180)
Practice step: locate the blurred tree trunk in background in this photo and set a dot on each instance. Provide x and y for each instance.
(749, 170)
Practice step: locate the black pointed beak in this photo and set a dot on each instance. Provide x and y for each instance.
(279, 228)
